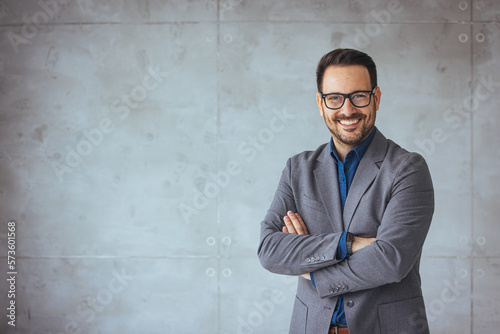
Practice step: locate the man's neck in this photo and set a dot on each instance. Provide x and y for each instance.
(341, 148)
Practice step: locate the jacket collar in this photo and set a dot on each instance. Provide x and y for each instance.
(326, 177)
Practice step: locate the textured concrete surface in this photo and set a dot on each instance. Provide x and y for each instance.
(141, 143)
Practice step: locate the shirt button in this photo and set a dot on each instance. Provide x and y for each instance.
(350, 303)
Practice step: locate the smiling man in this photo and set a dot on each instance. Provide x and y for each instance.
(350, 218)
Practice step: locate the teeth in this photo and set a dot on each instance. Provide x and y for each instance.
(349, 122)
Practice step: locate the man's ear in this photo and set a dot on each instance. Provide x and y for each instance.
(377, 94)
(319, 100)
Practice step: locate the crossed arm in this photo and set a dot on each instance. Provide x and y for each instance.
(294, 224)
(401, 231)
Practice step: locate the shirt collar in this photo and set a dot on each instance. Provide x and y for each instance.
(358, 150)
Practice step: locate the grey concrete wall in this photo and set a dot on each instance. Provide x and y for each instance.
(141, 143)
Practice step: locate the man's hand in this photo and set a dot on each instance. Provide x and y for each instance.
(307, 276)
(295, 225)
(360, 243)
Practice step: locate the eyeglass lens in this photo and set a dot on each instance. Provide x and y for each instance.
(358, 99)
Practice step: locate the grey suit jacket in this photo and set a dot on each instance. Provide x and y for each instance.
(391, 198)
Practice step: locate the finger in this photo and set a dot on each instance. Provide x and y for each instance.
(298, 225)
(289, 225)
(285, 229)
(302, 223)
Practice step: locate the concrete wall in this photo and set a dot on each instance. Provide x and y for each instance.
(116, 117)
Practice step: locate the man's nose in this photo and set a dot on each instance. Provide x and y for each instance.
(348, 108)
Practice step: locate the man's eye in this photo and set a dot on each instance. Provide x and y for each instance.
(360, 96)
(334, 98)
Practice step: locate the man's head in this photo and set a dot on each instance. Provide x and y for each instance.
(345, 57)
(350, 120)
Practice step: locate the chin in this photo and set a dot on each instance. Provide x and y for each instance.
(350, 138)
(352, 142)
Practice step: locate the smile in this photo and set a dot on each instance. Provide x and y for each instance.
(348, 121)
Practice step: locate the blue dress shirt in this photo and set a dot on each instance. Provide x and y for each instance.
(346, 171)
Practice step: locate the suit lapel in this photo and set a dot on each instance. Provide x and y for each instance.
(327, 182)
(366, 172)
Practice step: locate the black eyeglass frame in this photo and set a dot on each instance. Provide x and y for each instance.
(348, 96)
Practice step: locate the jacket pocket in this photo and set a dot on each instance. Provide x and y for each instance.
(299, 317)
(313, 204)
(403, 317)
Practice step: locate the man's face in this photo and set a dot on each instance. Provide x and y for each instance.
(348, 125)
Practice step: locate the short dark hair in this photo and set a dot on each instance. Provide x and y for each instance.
(345, 57)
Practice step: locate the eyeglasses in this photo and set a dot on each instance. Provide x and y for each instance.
(358, 99)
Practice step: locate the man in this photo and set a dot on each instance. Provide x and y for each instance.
(351, 217)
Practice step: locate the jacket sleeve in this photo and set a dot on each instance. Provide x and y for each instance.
(400, 236)
(290, 254)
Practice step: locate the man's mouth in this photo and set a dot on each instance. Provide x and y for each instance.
(349, 121)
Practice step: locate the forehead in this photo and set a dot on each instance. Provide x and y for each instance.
(346, 79)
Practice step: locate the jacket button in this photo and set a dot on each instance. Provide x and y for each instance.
(331, 290)
(308, 260)
(322, 258)
(350, 303)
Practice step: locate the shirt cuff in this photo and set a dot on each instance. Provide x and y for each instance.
(342, 247)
